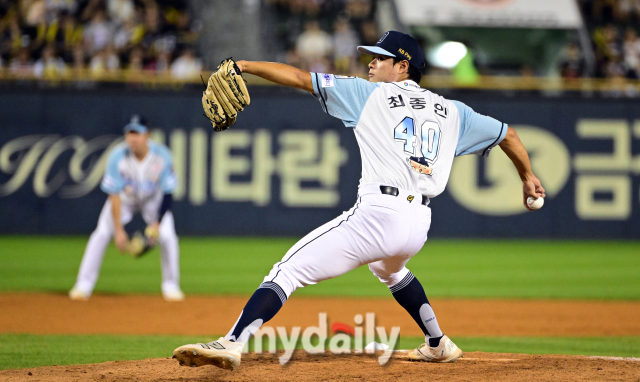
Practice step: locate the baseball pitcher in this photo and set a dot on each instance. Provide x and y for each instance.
(139, 178)
(408, 138)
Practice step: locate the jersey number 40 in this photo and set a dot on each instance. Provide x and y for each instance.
(426, 133)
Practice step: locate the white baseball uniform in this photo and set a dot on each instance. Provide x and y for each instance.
(392, 122)
(141, 186)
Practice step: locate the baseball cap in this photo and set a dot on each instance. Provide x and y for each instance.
(137, 123)
(397, 44)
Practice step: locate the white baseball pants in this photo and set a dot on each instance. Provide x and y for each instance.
(100, 238)
(381, 230)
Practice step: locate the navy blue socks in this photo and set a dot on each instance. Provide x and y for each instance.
(263, 305)
(410, 295)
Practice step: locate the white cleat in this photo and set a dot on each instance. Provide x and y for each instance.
(78, 295)
(446, 351)
(173, 296)
(221, 353)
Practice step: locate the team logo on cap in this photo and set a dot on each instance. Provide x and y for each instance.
(404, 53)
(383, 37)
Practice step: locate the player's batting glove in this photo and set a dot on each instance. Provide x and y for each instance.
(226, 95)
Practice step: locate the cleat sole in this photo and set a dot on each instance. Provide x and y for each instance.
(194, 359)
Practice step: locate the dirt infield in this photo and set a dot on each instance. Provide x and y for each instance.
(110, 314)
(475, 366)
(212, 315)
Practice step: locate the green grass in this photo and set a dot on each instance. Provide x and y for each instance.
(601, 346)
(447, 268)
(26, 350)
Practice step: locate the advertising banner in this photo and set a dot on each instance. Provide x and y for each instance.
(548, 14)
(287, 167)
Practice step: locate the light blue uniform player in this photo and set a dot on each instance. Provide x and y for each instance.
(408, 138)
(139, 178)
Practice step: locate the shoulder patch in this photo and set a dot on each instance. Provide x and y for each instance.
(109, 182)
(327, 81)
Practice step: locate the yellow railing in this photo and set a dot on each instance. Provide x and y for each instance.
(549, 84)
(124, 76)
(152, 79)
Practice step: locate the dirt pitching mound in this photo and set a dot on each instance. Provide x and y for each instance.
(476, 366)
(110, 314)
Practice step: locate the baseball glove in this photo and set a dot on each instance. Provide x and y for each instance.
(140, 244)
(226, 95)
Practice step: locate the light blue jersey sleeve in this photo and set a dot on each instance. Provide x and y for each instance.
(167, 176)
(342, 97)
(113, 182)
(478, 133)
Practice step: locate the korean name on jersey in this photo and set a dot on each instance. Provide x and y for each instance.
(395, 121)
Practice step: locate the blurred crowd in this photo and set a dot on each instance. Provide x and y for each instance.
(53, 38)
(322, 35)
(613, 26)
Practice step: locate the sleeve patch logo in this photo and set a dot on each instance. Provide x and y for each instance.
(327, 81)
(109, 182)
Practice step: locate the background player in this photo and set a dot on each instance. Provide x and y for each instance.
(139, 179)
(408, 138)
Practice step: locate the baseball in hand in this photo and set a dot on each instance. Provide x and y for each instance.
(535, 203)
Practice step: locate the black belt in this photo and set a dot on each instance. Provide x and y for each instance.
(388, 190)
